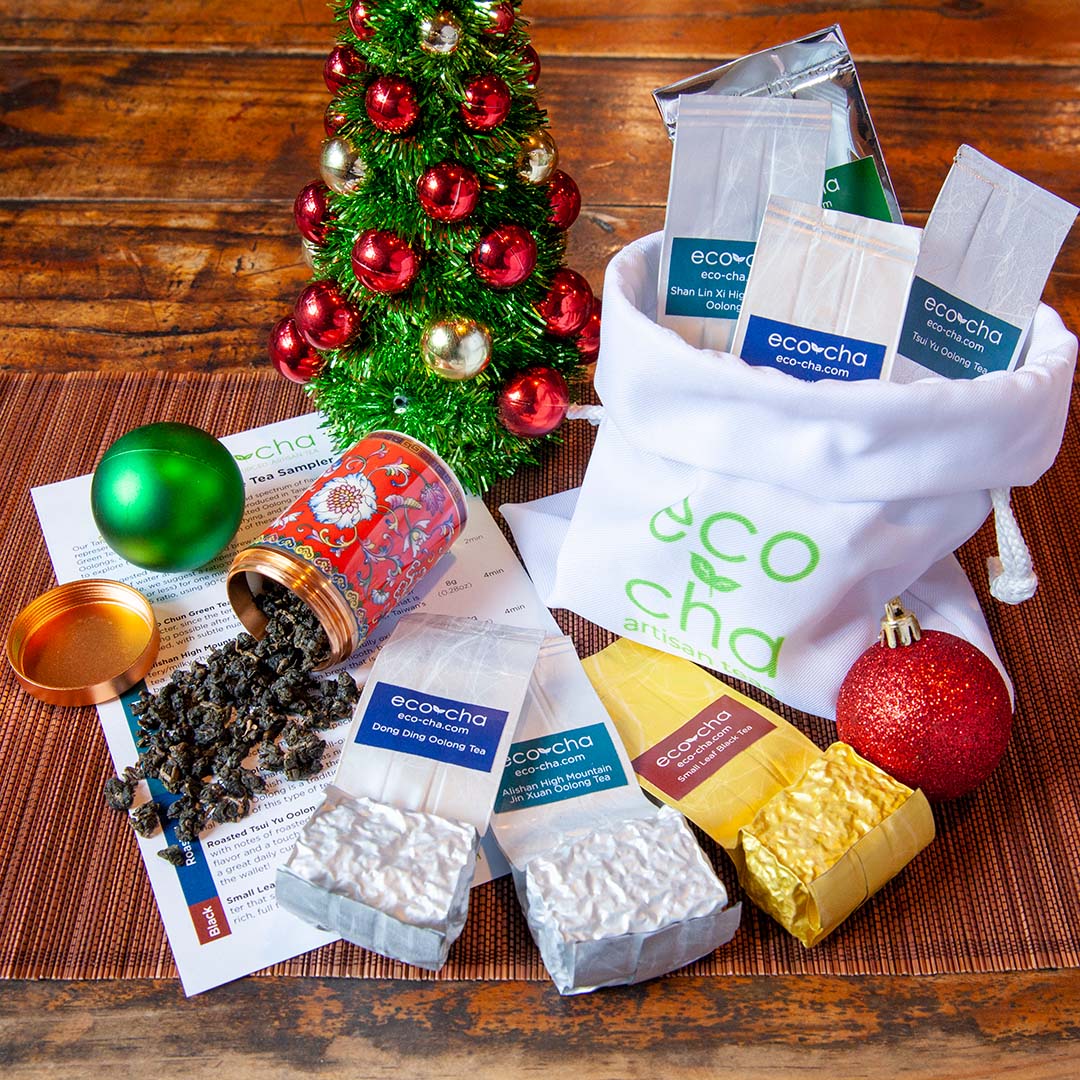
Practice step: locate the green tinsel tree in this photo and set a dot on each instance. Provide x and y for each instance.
(440, 306)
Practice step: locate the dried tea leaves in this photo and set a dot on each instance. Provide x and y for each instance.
(247, 697)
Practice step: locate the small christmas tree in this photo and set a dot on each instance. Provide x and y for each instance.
(440, 306)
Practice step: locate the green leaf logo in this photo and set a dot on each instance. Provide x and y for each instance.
(243, 457)
(704, 572)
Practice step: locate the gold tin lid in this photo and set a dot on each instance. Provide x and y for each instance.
(84, 642)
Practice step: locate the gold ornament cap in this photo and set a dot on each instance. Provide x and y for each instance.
(899, 627)
(84, 642)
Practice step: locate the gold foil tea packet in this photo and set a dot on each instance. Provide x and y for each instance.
(730, 155)
(812, 835)
(817, 67)
(826, 293)
(388, 859)
(614, 890)
(987, 250)
(821, 847)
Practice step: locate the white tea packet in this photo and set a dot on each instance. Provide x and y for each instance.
(730, 155)
(815, 67)
(614, 889)
(827, 293)
(388, 858)
(988, 248)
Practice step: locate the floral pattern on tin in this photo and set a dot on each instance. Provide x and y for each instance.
(345, 502)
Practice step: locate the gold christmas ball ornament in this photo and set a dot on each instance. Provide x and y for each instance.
(456, 348)
(538, 157)
(440, 34)
(342, 167)
(309, 249)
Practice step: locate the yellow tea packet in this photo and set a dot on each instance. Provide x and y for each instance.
(813, 835)
(696, 743)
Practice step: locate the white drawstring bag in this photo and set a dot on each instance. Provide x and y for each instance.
(756, 523)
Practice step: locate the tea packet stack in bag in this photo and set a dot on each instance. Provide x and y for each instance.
(387, 860)
(826, 294)
(987, 250)
(730, 155)
(614, 889)
(812, 834)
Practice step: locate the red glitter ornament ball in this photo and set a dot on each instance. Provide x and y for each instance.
(531, 59)
(325, 317)
(334, 119)
(534, 402)
(391, 104)
(291, 354)
(933, 711)
(383, 261)
(359, 14)
(448, 191)
(567, 306)
(588, 341)
(505, 257)
(502, 20)
(486, 104)
(341, 66)
(311, 212)
(565, 200)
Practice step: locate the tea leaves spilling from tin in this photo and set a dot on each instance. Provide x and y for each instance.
(249, 699)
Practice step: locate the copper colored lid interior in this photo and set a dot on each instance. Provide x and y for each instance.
(84, 642)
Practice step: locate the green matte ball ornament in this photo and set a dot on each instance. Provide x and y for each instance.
(167, 497)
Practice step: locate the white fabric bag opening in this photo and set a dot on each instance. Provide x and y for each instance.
(756, 523)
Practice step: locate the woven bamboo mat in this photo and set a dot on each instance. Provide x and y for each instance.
(998, 890)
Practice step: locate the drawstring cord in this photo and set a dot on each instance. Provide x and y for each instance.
(1012, 576)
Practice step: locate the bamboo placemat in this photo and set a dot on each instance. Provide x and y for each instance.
(998, 890)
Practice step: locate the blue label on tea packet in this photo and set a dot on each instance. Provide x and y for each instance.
(810, 354)
(556, 767)
(953, 338)
(429, 726)
(707, 278)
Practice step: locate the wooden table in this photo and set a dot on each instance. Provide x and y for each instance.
(149, 154)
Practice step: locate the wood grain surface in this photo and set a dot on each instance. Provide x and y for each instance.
(149, 154)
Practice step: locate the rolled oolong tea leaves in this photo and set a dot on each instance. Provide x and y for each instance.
(246, 698)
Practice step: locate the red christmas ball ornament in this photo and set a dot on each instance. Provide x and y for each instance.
(291, 354)
(502, 19)
(311, 212)
(391, 104)
(383, 261)
(568, 304)
(534, 402)
(448, 191)
(927, 707)
(342, 65)
(504, 257)
(359, 14)
(565, 200)
(325, 317)
(588, 341)
(486, 102)
(334, 119)
(531, 59)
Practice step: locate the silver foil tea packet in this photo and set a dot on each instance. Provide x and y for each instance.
(987, 250)
(827, 293)
(730, 155)
(614, 890)
(815, 67)
(414, 790)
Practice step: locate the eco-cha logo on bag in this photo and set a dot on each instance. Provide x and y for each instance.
(725, 551)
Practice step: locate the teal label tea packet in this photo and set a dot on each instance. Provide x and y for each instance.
(730, 155)
(614, 889)
(827, 293)
(987, 250)
(815, 67)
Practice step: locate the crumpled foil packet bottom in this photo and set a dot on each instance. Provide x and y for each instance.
(392, 881)
(625, 904)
